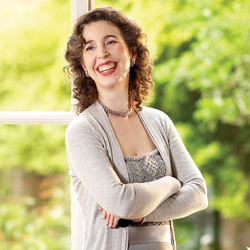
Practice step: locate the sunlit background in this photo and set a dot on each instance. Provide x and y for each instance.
(201, 52)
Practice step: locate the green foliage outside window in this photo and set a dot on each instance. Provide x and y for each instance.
(34, 181)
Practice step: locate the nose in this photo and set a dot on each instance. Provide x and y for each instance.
(103, 53)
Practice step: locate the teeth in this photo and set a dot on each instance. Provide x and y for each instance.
(106, 67)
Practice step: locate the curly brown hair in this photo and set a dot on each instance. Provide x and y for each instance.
(140, 80)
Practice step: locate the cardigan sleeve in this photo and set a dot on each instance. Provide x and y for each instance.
(193, 195)
(89, 162)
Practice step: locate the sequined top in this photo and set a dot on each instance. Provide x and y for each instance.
(144, 168)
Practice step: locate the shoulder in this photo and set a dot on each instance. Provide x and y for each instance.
(154, 114)
(150, 110)
(79, 121)
(91, 122)
(82, 123)
(156, 119)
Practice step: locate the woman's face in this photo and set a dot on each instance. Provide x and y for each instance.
(106, 56)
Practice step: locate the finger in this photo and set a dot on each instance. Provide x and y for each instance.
(107, 218)
(104, 214)
(100, 208)
(112, 221)
(115, 223)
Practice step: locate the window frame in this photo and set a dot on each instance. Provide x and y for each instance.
(78, 7)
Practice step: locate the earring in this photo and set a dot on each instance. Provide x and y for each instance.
(132, 62)
(86, 73)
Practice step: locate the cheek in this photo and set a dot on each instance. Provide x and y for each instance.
(125, 52)
(125, 55)
(87, 62)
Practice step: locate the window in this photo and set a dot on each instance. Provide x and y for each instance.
(24, 114)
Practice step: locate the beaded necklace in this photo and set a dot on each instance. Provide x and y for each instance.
(116, 113)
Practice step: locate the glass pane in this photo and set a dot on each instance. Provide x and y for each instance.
(34, 188)
(33, 37)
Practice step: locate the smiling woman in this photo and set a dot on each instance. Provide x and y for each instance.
(128, 165)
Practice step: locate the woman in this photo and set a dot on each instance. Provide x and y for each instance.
(127, 162)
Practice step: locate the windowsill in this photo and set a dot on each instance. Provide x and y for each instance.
(36, 117)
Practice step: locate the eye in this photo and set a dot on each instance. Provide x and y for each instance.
(110, 42)
(90, 47)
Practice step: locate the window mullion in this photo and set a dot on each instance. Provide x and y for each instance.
(36, 117)
(78, 7)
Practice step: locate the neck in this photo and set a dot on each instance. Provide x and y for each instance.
(117, 101)
(116, 113)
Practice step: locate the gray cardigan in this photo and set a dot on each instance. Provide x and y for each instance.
(99, 176)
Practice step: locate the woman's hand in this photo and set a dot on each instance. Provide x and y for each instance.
(111, 220)
(180, 183)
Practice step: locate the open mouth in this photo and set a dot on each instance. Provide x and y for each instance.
(107, 68)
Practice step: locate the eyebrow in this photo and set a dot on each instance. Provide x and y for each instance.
(104, 38)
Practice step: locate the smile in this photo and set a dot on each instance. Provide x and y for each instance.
(106, 68)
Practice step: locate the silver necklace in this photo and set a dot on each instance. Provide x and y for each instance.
(116, 113)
